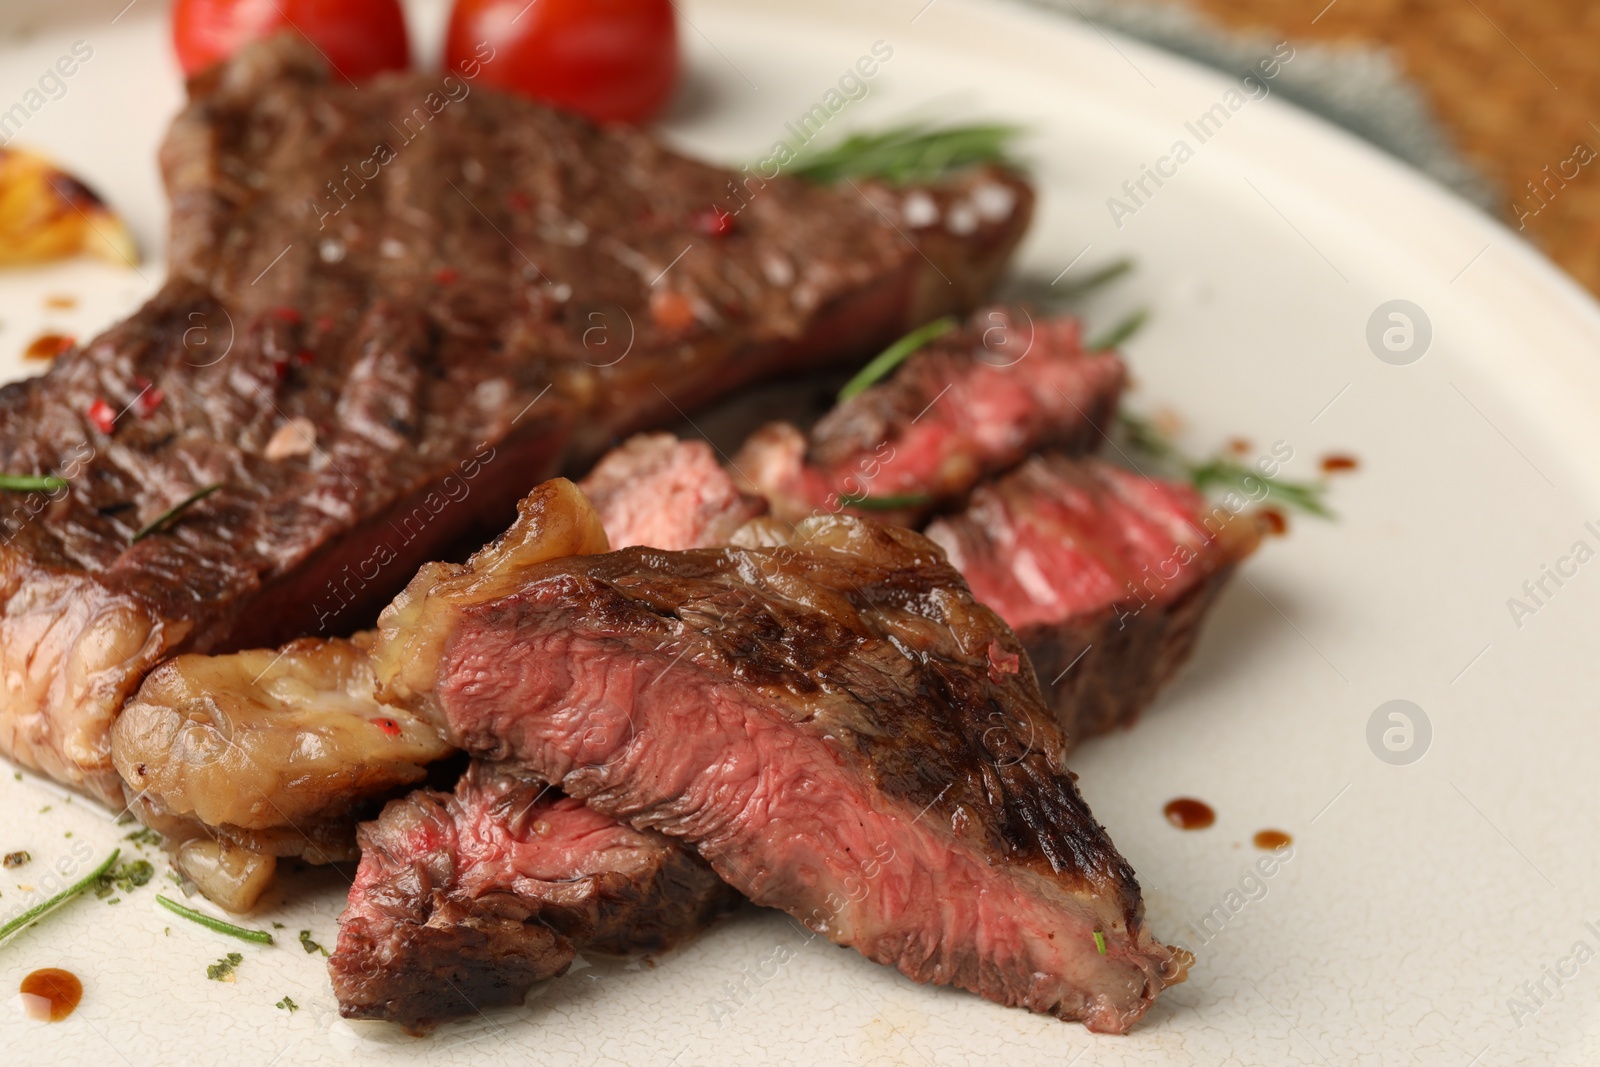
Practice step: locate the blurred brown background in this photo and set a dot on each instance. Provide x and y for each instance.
(1516, 84)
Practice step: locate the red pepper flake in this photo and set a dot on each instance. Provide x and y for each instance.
(280, 369)
(671, 310)
(446, 275)
(101, 415)
(1002, 662)
(149, 398)
(1277, 522)
(305, 357)
(289, 315)
(324, 323)
(714, 221)
(388, 726)
(519, 201)
(49, 346)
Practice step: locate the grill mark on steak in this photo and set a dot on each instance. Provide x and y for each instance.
(819, 718)
(970, 404)
(463, 900)
(1105, 574)
(431, 336)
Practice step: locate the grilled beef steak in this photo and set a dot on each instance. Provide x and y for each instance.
(390, 310)
(832, 721)
(464, 900)
(974, 402)
(270, 753)
(659, 491)
(1104, 574)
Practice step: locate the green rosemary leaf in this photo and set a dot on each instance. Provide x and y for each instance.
(1100, 942)
(916, 153)
(1120, 333)
(125, 878)
(40, 910)
(885, 503)
(168, 517)
(1221, 472)
(260, 937)
(1108, 273)
(222, 970)
(886, 361)
(32, 483)
(309, 945)
(1229, 474)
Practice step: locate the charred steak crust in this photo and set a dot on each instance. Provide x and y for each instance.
(838, 728)
(1105, 574)
(463, 900)
(972, 403)
(378, 330)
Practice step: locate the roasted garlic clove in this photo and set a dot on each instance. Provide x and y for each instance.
(47, 214)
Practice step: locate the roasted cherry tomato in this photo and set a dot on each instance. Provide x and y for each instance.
(612, 60)
(359, 37)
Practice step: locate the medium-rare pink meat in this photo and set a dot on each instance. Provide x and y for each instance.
(972, 403)
(657, 490)
(1104, 574)
(391, 308)
(463, 900)
(831, 720)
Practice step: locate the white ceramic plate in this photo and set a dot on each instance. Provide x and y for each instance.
(1433, 910)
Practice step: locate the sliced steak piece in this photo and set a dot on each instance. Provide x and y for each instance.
(659, 491)
(833, 722)
(464, 900)
(1104, 574)
(972, 403)
(390, 310)
(271, 753)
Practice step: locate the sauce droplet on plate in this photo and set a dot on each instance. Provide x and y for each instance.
(48, 346)
(1267, 840)
(1277, 522)
(1187, 813)
(1336, 463)
(51, 994)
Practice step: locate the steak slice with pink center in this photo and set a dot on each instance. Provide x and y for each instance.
(827, 716)
(970, 404)
(464, 900)
(1105, 575)
(656, 490)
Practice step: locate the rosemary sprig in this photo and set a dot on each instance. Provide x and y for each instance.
(884, 503)
(168, 517)
(1108, 273)
(32, 483)
(38, 911)
(1220, 471)
(1100, 942)
(1120, 333)
(911, 154)
(260, 937)
(886, 361)
(1231, 474)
